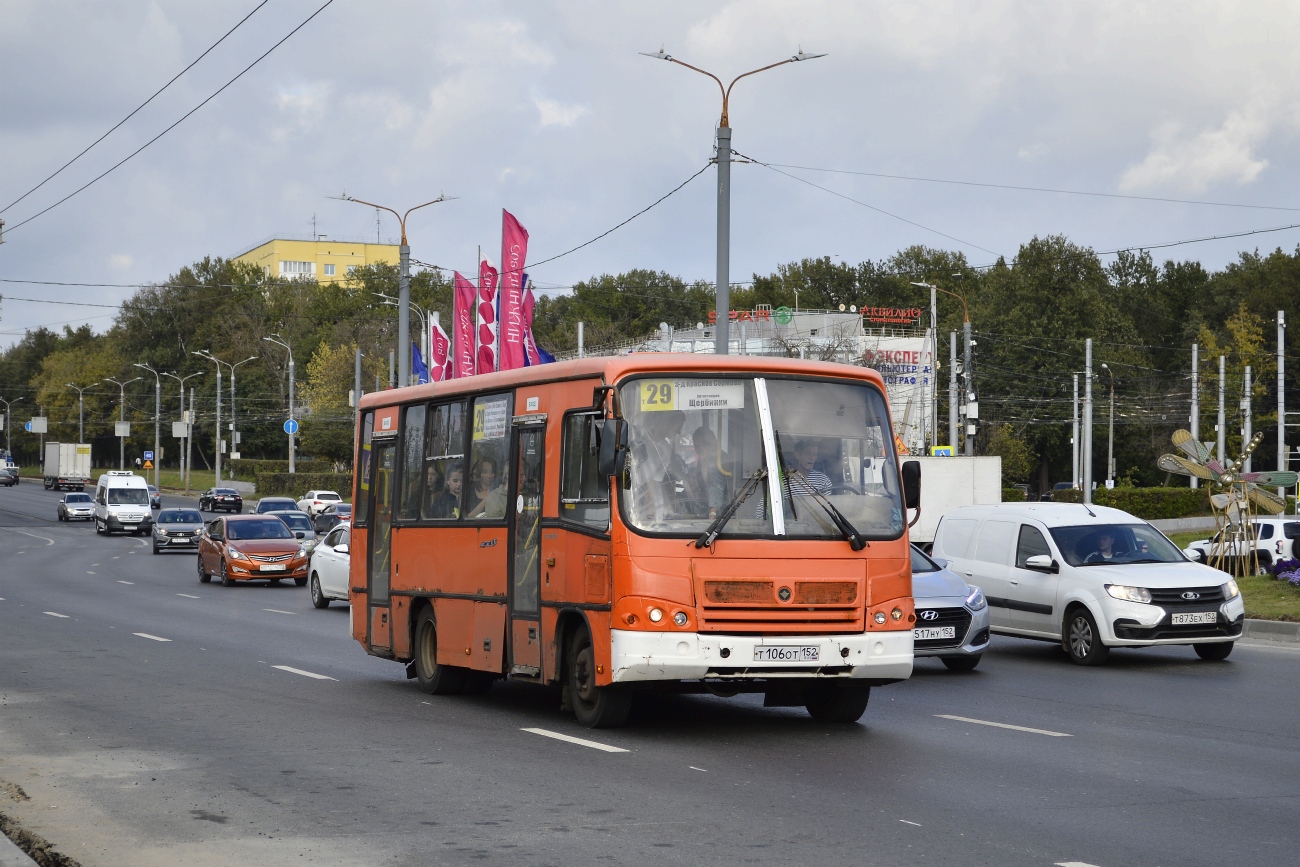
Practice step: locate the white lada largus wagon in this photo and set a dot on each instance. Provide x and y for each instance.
(1089, 577)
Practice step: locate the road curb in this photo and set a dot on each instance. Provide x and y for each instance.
(12, 856)
(1272, 630)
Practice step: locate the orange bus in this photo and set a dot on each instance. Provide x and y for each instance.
(651, 521)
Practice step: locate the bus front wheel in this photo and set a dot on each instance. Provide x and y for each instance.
(433, 678)
(596, 707)
(830, 703)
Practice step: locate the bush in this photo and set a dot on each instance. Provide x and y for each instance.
(296, 484)
(249, 469)
(1013, 495)
(1149, 504)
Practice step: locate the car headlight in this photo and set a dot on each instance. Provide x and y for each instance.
(1230, 590)
(303, 552)
(1129, 594)
(159, 530)
(235, 554)
(976, 601)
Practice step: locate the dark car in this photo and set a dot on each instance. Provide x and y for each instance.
(1056, 488)
(331, 516)
(251, 547)
(177, 529)
(275, 504)
(226, 499)
(155, 498)
(8, 476)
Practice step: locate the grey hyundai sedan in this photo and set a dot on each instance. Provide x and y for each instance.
(952, 617)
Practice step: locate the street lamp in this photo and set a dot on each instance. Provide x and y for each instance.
(157, 420)
(9, 423)
(234, 433)
(279, 341)
(121, 439)
(1110, 439)
(404, 298)
(424, 323)
(81, 406)
(184, 459)
(724, 189)
(968, 378)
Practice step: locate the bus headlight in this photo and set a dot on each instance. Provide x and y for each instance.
(656, 615)
(680, 618)
(880, 617)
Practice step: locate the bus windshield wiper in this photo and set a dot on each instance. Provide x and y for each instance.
(711, 534)
(850, 532)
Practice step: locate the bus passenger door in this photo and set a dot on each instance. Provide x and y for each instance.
(525, 551)
(379, 556)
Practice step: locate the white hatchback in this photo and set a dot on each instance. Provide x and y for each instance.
(330, 562)
(1089, 577)
(315, 501)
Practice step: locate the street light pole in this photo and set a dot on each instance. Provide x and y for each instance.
(157, 421)
(234, 430)
(216, 447)
(723, 284)
(403, 297)
(121, 462)
(424, 324)
(279, 341)
(81, 407)
(1110, 438)
(9, 423)
(189, 426)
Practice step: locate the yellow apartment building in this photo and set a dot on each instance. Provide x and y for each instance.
(323, 259)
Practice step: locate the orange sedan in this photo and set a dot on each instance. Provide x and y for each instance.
(251, 547)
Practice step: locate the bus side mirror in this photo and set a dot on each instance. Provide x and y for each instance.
(613, 447)
(912, 484)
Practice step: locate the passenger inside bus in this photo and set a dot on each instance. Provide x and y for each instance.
(447, 503)
(705, 485)
(488, 496)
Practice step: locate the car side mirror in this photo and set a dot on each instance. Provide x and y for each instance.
(613, 446)
(342, 549)
(940, 562)
(912, 484)
(1042, 563)
(300, 534)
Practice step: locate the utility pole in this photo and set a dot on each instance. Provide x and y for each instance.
(968, 376)
(1281, 396)
(292, 425)
(9, 424)
(934, 367)
(121, 464)
(952, 392)
(184, 459)
(1110, 438)
(1196, 402)
(189, 442)
(1246, 432)
(1074, 439)
(81, 409)
(1087, 420)
(1221, 427)
(157, 420)
(356, 390)
(721, 344)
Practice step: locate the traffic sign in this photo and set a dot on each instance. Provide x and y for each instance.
(148, 464)
(148, 455)
(27, 427)
(291, 426)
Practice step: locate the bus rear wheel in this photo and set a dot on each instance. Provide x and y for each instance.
(433, 678)
(831, 703)
(596, 707)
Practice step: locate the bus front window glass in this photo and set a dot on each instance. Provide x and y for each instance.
(444, 463)
(835, 444)
(584, 494)
(692, 444)
(362, 470)
(489, 458)
(412, 463)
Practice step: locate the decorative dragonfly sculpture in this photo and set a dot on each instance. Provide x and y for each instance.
(1241, 488)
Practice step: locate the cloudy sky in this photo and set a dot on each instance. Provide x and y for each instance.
(548, 110)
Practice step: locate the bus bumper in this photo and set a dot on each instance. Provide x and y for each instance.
(648, 656)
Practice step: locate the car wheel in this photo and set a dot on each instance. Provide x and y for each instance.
(318, 599)
(156, 550)
(226, 580)
(1214, 652)
(99, 530)
(204, 577)
(962, 663)
(596, 707)
(431, 677)
(1082, 640)
(300, 581)
(829, 703)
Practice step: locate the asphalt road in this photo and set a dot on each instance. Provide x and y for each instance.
(198, 749)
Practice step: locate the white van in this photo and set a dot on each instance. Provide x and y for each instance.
(1089, 577)
(122, 503)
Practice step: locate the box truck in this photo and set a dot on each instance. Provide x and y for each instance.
(947, 483)
(67, 466)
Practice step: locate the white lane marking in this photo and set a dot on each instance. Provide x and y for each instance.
(57, 614)
(114, 557)
(25, 533)
(94, 564)
(88, 572)
(905, 822)
(304, 673)
(188, 596)
(150, 637)
(693, 768)
(984, 722)
(1074, 864)
(120, 581)
(582, 742)
(278, 611)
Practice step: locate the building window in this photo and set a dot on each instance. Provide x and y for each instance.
(329, 270)
(297, 269)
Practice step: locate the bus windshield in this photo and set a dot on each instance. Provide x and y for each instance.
(695, 441)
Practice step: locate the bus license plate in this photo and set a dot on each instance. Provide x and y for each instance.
(928, 633)
(802, 653)
(278, 567)
(1196, 617)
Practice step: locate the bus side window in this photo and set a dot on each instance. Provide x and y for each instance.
(444, 464)
(412, 462)
(361, 502)
(489, 477)
(584, 494)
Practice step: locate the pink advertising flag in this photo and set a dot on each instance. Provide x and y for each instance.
(514, 252)
(463, 328)
(530, 346)
(439, 352)
(487, 317)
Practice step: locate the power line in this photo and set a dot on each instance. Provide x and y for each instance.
(213, 96)
(135, 110)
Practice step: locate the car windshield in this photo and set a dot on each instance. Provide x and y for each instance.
(296, 522)
(272, 528)
(275, 505)
(922, 563)
(128, 497)
(694, 442)
(1109, 544)
(180, 516)
(77, 498)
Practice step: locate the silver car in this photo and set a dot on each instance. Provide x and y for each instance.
(301, 526)
(76, 507)
(177, 530)
(952, 617)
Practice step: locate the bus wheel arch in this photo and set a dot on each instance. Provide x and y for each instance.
(432, 678)
(594, 706)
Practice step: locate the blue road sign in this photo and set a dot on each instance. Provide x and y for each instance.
(27, 427)
(291, 426)
(148, 456)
